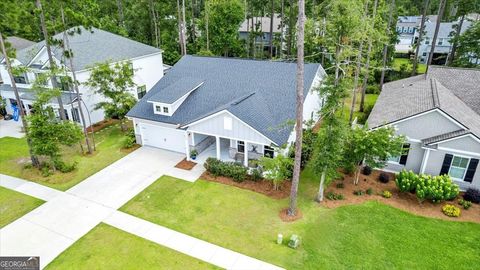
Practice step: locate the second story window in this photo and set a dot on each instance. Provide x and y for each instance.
(165, 109)
(22, 78)
(141, 91)
(440, 41)
(427, 41)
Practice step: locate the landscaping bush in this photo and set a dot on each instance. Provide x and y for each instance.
(436, 189)
(358, 192)
(407, 181)
(372, 89)
(367, 170)
(451, 210)
(64, 167)
(256, 174)
(384, 177)
(369, 191)
(334, 196)
(229, 169)
(472, 194)
(466, 204)
(340, 185)
(386, 194)
(129, 141)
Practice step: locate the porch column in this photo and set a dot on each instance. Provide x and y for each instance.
(217, 139)
(187, 146)
(245, 160)
(425, 160)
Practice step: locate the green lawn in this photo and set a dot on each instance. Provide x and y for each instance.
(14, 205)
(368, 236)
(106, 247)
(14, 153)
(397, 62)
(370, 100)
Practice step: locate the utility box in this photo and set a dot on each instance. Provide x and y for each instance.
(279, 238)
(294, 241)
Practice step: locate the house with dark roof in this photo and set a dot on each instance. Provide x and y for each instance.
(89, 48)
(261, 26)
(231, 109)
(439, 113)
(17, 43)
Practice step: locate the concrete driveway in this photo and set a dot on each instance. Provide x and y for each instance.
(52, 227)
(11, 128)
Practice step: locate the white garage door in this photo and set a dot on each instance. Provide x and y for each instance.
(163, 137)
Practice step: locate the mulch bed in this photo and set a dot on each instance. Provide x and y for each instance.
(283, 214)
(102, 124)
(404, 201)
(264, 187)
(185, 164)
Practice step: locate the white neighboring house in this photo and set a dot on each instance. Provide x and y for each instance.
(89, 48)
(232, 109)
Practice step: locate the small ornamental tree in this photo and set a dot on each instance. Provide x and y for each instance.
(276, 169)
(372, 147)
(114, 83)
(46, 132)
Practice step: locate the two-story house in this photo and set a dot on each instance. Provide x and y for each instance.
(261, 25)
(89, 48)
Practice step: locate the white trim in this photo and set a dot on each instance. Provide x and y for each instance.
(466, 168)
(426, 155)
(124, 60)
(471, 154)
(36, 56)
(453, 120)
(226, 111)
(458, 137)
(230, 138)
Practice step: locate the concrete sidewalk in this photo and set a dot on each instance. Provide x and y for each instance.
(52, 227)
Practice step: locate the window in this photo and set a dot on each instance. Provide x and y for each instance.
(158, 108)
(241, 146)
(394, 159)
(21, 78)
(165, 109)
(268, 151)
(424, 54)
(64, 83)
(459, 167)
(440, 41)
(75, 115)
(141, 91)
(227, 123)
(427, 41)
(402, 158)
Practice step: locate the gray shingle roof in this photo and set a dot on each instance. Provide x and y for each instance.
(19, 43)
(29, 94)
(260, 93)
(404, 98)
(91, 47)
(176, 90)
(444, 136)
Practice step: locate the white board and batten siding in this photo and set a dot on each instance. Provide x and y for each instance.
(226, 125)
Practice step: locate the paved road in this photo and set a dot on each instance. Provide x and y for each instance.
(66, 216)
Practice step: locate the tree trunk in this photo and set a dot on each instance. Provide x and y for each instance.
(455, 43)
(206, 24)
(180, 28)
(33, 158)
(154, 23)
(75, 83)
(184, 29)
(121, 18)
(357, 72)
(290, 31)
(292, 211)
(357, 174)
(441, 8)
(50, 58)
(282, 26)
(367, 64)
(272, 14)
(321, 187)
(385, 46)
(420, 37)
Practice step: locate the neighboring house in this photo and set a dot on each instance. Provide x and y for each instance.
(407, 30)
(17, 43)
(440, 115)
(231, 109)
(89, 48)
(443, 46)
(262, 26)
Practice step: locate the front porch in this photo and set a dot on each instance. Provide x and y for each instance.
(226, 149)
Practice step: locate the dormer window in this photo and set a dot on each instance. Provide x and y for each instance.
(165, 110)
(158, 108)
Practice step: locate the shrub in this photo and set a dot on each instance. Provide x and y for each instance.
(386, 194)
(436, 189)
(372, 89)
(407, 181)
(64, 167)
(340, 185)
(229, 169)
(129, 141)
(46, 172)
(358, 192)
(451, 210)
(256, 174)
(473, 195)
(384, 177)
(334, 196)
(369, 191)
(367, 170)
(466, 204)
